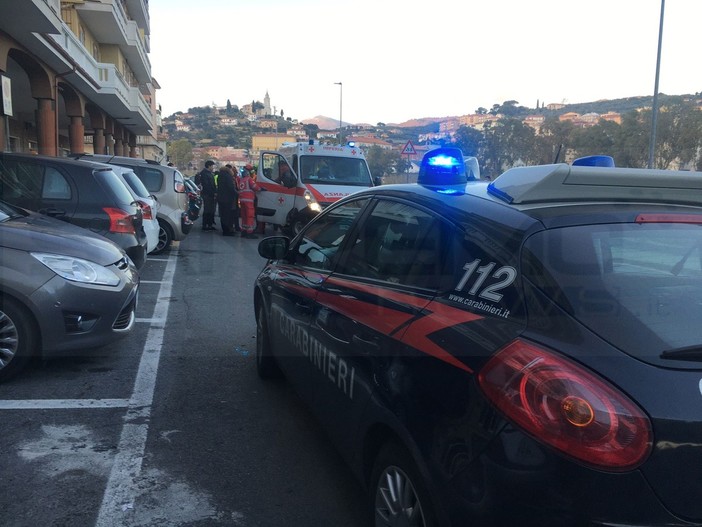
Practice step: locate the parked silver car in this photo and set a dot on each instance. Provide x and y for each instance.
(62, 288)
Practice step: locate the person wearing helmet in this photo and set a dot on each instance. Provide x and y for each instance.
(247, 194)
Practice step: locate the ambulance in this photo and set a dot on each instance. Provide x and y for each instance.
(303, 178)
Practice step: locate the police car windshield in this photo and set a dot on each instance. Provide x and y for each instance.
(330, 170)
(636, 285)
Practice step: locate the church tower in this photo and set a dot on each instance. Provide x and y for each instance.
(267, 104)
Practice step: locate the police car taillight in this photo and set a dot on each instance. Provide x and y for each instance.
(562, 404)
(443, 170)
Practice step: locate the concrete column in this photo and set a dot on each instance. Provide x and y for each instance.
(109, 144)
(76, 135)
(99, 141)
(46, 127)
(119, 149)
(132, 146)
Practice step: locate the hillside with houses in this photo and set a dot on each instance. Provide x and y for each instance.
(233, 134)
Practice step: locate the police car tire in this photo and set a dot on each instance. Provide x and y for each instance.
(394, 460)
(17, 328)
(266, 366)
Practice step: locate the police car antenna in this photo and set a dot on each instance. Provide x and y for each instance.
(558, 153)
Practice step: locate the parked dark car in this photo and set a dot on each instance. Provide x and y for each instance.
(86, 194)
(168, 185)
(62, 288)
(520, 353)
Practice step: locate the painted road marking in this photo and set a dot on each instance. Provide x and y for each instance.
(122, 484)
(62, 404)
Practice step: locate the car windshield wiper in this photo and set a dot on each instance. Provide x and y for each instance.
(679, 265)
(687, 353)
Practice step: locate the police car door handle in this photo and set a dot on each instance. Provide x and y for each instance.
(305, 308)
(365, 345)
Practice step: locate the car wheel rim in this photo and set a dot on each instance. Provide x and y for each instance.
(162, 239)
(9, 340)
(396, 501)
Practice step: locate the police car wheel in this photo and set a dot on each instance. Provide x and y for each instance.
(398, 495)
(266, 366)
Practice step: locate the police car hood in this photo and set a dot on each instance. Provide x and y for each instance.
(39, 233)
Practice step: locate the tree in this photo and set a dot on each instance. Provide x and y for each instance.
(311, 130)
(180, 152)
(468, 140)
(506, 143)
(481, 111)
(382, 161)
(678, 135)
(553, 140)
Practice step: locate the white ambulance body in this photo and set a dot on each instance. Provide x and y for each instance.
(321, 174)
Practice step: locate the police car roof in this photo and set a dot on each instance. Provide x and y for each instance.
(566, 183)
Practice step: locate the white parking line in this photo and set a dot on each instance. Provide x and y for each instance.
(126, 469)
(151, 321)
(62, 404)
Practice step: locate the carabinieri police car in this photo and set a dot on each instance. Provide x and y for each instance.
(525, 351)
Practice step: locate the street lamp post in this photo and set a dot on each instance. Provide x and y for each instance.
(341, 102)
(654, 110)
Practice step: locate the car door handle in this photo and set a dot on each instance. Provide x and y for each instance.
(52, 212)
(304, 308)
(366, 345)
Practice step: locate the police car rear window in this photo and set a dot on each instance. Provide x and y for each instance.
(639, 286)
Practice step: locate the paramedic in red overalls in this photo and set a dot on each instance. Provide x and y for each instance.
(247, 192)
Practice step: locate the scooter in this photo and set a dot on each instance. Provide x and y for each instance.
(194, 205)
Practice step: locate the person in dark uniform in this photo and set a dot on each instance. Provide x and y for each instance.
(208, 193)
(227, 200)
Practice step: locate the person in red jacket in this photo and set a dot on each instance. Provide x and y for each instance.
(247, 188)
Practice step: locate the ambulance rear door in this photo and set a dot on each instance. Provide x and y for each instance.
(284, 192)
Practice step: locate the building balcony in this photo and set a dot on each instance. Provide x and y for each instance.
(108, 23)
(20, 18)
(139, 11)
(101, 83)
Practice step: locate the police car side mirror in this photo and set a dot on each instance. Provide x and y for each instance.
(377, 181)
(274, 247)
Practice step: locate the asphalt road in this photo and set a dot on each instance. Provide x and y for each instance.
(171, 426)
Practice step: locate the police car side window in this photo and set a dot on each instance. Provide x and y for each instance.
(320, 243)
(400, 244)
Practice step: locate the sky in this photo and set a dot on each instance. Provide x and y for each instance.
(403, 59)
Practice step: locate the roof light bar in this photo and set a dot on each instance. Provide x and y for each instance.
(443, 169)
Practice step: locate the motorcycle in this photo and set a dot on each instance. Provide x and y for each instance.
(194, 201)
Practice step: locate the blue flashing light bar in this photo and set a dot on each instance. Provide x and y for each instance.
(594, 161)
(443, 169)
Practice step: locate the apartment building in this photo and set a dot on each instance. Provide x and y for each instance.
(76, 78)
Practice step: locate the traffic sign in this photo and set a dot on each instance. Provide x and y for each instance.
(409, 149)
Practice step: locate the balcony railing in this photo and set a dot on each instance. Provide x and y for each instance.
(104, 81)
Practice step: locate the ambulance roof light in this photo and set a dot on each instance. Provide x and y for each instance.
(443, 170)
